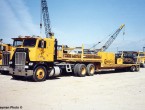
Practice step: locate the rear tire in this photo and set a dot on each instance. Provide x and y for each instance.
(90, 69)
(76, 69)
(137, 68)
(82, 70)
(39, 74)
(143, 65)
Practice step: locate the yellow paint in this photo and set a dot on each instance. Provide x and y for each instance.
(6, 47)
(141, 57)
(119, 61)
(39, 54)
(107, 57)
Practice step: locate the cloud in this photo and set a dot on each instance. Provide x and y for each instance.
(16, 20)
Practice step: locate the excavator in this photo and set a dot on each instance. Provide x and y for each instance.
(132, 57)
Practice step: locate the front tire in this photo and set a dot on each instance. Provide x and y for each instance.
(40, 74)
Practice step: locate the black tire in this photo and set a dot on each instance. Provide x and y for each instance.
(4, 72)
(17, 77)
(132, 68)
(90, 69)
(137, 68)
(143, 65)
(82, 70)
(39, 74)
(76, 69)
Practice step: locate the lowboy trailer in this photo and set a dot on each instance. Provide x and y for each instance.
(40, 58)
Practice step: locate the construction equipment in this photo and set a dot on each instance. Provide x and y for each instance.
(110, 40)
(132, 57)
(41, 58)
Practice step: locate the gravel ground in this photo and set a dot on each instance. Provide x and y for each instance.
(104, 91)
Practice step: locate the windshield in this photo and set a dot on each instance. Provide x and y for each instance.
(141, 54)
(29, 43)
(17, 43)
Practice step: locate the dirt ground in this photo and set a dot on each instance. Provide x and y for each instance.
(106, 91)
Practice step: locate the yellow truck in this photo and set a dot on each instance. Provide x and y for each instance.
(40, 58)
(141, 59)
(4, 48)
(5, 54)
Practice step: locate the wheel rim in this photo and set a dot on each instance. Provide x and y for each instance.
(40, 74)
(92, 69)
(83, 70)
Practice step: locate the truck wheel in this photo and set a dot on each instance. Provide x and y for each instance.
(137, 68)
(81, 70)
(76, 69)
(90, 69)
(39, 74)
(132, 68)
(143, 65)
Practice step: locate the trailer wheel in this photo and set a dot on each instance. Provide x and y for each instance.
(132, 68)
(90, 69)
(82, 70)
(137, 68)
(39, 74)
(143, 65)
(76, 69)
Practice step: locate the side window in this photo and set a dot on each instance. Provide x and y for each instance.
(40, 43)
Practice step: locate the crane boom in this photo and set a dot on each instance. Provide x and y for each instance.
(45, 15)
(112, 38)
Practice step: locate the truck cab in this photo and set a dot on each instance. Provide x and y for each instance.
(33, 58)
(4, 56)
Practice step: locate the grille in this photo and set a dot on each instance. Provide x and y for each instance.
(5, 58)
(20, 58)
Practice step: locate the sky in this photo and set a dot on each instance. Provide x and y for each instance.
(77, 22)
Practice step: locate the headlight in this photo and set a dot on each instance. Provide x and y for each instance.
(30, 64)
(26, 66)
(10, 62)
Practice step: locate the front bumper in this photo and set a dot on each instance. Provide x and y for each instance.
(4, 68)
(18, 72)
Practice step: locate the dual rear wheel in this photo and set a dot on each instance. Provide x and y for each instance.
(82, 70)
